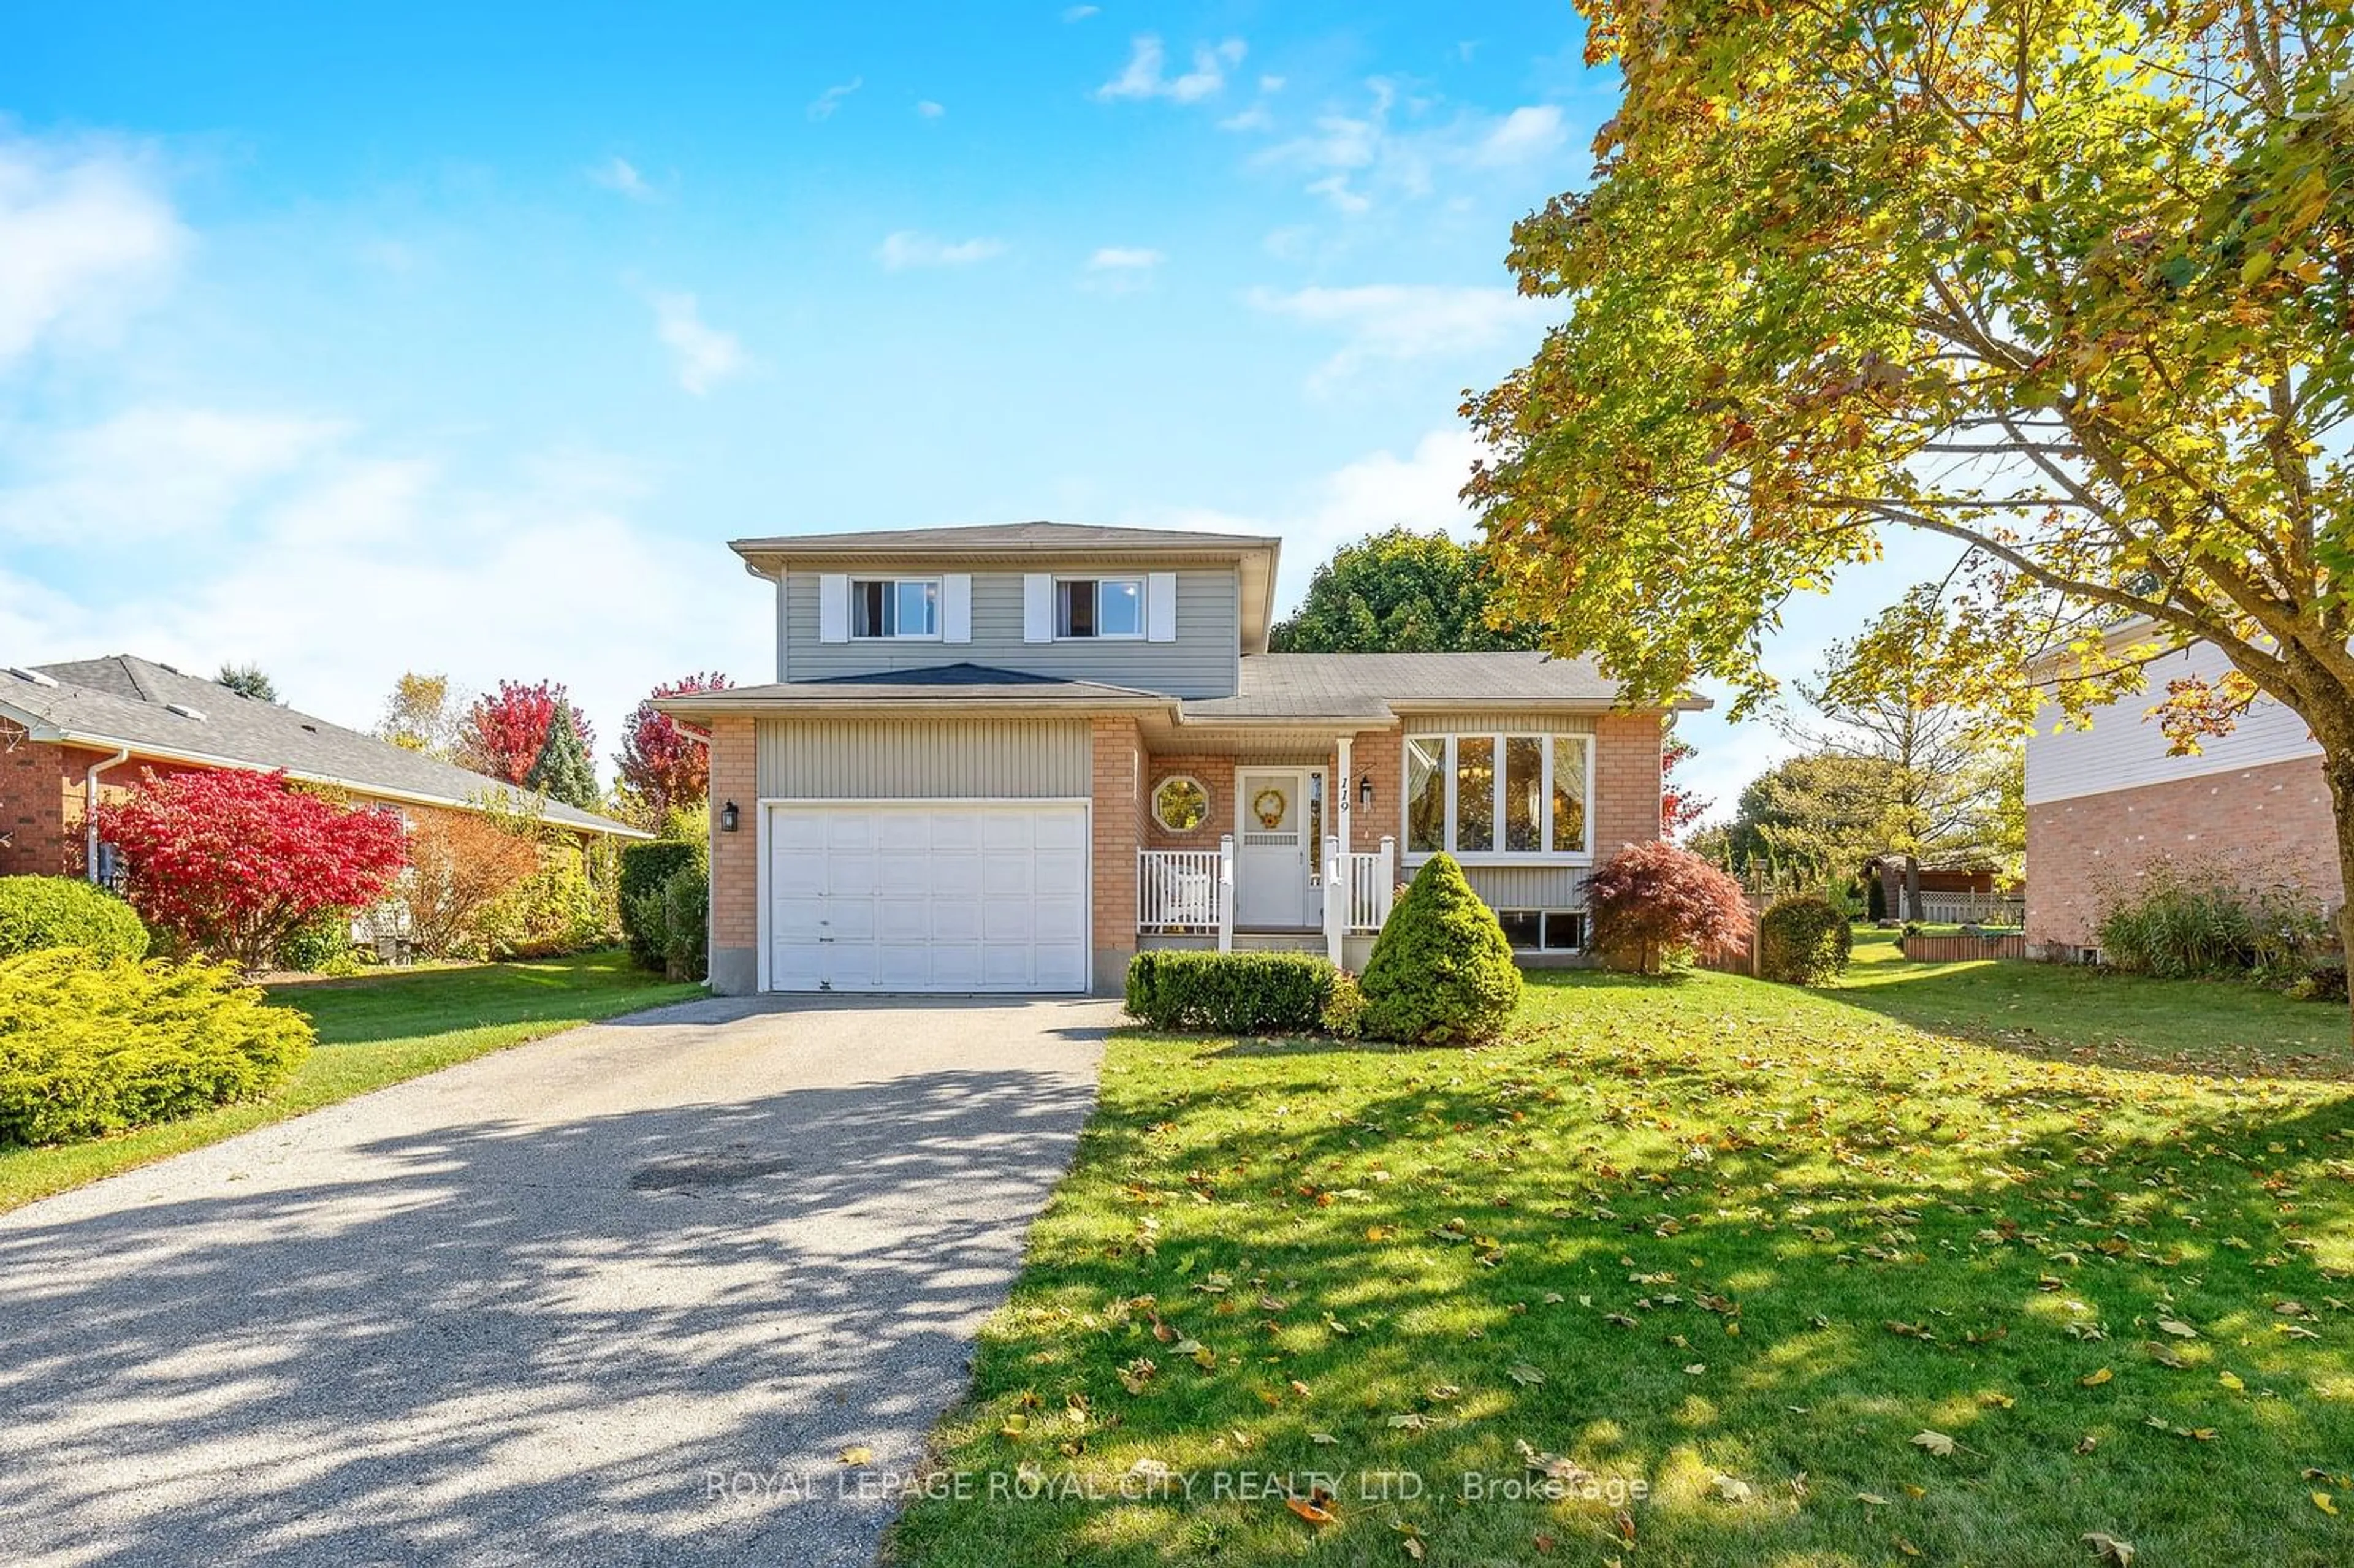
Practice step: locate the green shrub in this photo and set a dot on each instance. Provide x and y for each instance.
(320, 945)
(1803, 940)
(1442, 969)
(2205, 921)
(1344, 1010)
(90, 1047)
(1230, 993)
(2325, 981)
(687, 923)
(38, 912)
(646, 870)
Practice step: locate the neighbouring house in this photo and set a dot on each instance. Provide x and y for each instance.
(69, 733)
(1006, 757)
(1900, 886)
(2103, 803)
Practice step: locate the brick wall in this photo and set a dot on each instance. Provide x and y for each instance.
(1217, 775)
(33, 787)
(1626, 781)
(2274, 820)
(1119, 815)
(735, 857)
(1380, 753)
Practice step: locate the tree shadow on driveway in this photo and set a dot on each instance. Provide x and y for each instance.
(631, 1338)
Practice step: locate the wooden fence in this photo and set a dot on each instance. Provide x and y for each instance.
(1946, 949)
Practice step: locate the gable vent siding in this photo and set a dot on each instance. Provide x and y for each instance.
(919, 759)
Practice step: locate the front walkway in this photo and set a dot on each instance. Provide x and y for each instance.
(622, 1296)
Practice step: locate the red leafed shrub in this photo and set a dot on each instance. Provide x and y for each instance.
(1652, 903)
(229, 861)
(505, 730)
(663, 766)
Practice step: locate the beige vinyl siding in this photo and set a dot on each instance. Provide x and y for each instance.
(1204, 662)
(1499, 724)
(2126, 750)
(924, 758)
(1527, 886)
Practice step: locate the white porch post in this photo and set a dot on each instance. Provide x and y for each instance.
(1336, 898)
(1386, 884)
(1339, 873)
(1225, 892)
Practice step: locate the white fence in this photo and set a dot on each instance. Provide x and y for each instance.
(1972, 910)
(1372, 884)
(1178, 890)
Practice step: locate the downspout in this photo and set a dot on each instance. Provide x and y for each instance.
(89, 811)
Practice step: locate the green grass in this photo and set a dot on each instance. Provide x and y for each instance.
(1673, 1232)
(373, 1030)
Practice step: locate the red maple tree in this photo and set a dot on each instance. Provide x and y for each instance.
(228, 862)
(503, 733)
(1679, 807)
(1649, 902)
(663, 766)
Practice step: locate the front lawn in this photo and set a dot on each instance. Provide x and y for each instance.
(1831, 1289)
(373, 1030)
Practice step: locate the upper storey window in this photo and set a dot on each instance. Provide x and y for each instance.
(894, 608)
(1099, 607)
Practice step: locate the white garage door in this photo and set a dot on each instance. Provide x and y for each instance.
(917, 895)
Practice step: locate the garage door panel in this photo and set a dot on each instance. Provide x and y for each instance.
(905, 897)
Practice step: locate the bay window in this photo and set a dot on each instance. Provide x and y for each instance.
(1501, 795)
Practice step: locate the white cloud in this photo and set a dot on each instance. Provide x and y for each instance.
(822, 106)
(1407, 321)
(703, 355)
(87, 235)
(1391, 148)
(1143, 77)
(1528, 132)
(1081, 13)
(149, 472)
(1121, 258)
(908, 249)
(369, 564)
(620, 175)
(1254, 118)
(928, 110)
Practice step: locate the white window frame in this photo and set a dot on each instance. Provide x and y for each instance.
(895, 635)
(1448, 770)
(1209, 804)
(1144, 607)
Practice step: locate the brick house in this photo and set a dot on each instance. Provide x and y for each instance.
(2103, 803)
(70, 734)
(1008, 758)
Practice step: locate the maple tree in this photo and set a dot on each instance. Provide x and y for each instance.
(506, 729)
(1679, 807)
(1651, 901)
(2065, 285)
(228, 861)
(664, 766)
(460, 865)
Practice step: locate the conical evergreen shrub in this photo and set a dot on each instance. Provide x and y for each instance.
(1442, 970)
(562, 770)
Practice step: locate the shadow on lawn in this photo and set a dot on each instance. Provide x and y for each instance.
(511, 1343)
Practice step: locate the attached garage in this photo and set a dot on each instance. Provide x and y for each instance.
(926, 895)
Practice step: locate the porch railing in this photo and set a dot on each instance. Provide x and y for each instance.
(1181, 891)
(1372, 883)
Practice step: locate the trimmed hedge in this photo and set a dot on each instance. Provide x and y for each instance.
(90, 1047)
(1230, 993)
(1803, 940)
(646, 870)
(1442, 969)
(38, 912)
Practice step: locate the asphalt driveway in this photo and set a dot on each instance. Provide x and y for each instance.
(624, 1296)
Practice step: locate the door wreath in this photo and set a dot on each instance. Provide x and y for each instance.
(1268, 806)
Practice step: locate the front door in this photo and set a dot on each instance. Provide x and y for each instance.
(1275, 845)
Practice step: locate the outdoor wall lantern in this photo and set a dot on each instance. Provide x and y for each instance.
(1365, 792)
(728, 818)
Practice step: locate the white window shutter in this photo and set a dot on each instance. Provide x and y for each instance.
(834, 607)
(956, 606)
(1038, 607)
(1161, 606)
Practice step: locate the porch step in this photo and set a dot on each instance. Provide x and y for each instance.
(1282, 941)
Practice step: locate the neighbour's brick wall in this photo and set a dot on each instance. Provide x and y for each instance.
(735, 857)
(2274, 821)
(1217, 775)
(1118, 816)
(1626, 781)
(34, 785)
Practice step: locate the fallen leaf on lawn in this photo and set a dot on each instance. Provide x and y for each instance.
(2232, 1380)
(1733, 1489)
(1380, 1233)
(2087, 1443)
(1412, 1421)
(2321, 1500)
(1336, 1326)
(1907, 1548)
(1874, 1498)
(861, 1455)
(1936, 1442)
(1543, 1544)
(2095, 1380)
(1916, 1493)
(2109, 1549)
(2164, 1357)
(1525, 1375)
(1015, 1426)
(1320, 1437)
(1997, 1401)
(2179, 1329)
(1311, 1508)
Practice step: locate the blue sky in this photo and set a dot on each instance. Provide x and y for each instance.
(462, 338)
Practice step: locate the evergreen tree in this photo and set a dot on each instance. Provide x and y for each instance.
(561, 771)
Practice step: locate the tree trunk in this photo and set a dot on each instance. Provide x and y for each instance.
(2337, 766)
(1912, 888)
